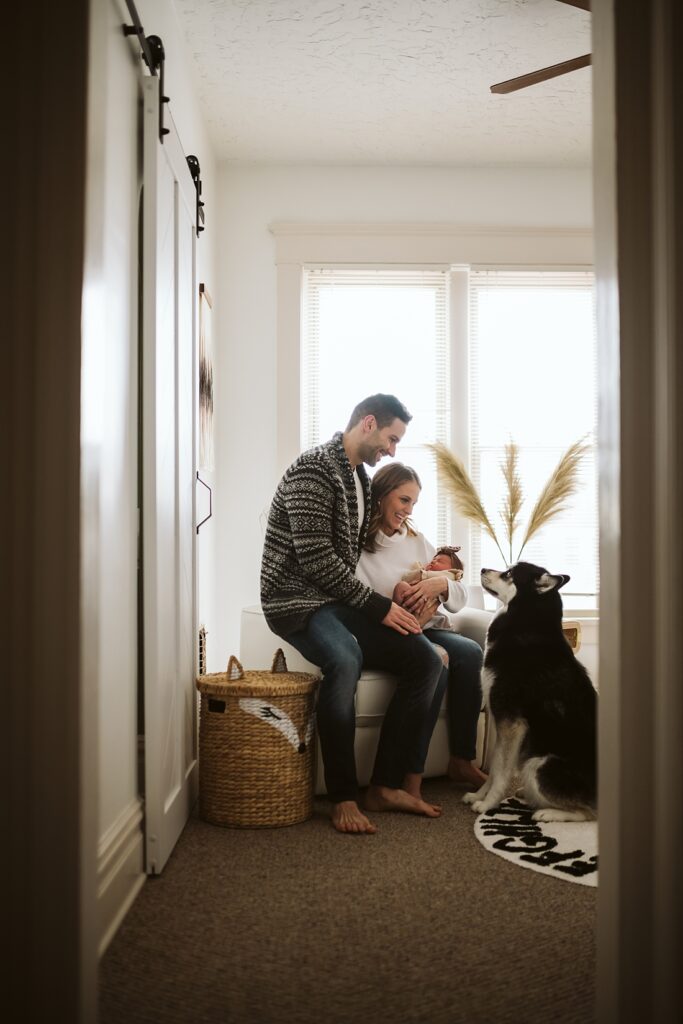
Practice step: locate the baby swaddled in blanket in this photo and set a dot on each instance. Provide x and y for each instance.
(445, 563)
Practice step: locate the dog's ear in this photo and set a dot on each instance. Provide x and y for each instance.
(548, 582)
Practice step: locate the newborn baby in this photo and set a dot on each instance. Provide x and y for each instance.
(445, 563)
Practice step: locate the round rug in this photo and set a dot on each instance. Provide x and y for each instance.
(565, 849)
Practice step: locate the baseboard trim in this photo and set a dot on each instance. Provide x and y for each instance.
(120, 872)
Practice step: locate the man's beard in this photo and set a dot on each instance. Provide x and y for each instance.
(370, 454)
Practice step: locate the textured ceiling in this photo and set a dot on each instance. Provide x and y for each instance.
(390, 81)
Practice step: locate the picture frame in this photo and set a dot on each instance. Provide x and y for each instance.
(206, 453)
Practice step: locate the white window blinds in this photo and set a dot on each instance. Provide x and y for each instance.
(366, 331)
(533, 379)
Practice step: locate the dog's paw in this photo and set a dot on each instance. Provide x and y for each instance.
(481, 806)
(546, 814)
(469, 798)
(556, 814)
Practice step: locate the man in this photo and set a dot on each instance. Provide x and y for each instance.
(311, 597)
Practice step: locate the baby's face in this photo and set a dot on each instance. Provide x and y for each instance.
(440, 563)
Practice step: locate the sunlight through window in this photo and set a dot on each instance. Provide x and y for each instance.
(370, 331)
(531, 379)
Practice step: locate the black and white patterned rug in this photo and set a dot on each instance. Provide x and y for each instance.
(565, 849)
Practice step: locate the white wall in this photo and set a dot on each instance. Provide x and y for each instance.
(109, 417)
(159, 18)
(253, 197)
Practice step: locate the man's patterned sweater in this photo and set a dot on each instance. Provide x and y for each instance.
(312, 542)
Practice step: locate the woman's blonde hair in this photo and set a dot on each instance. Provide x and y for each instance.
(386, 480)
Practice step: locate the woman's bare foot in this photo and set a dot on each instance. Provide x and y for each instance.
(465, 772)
(348, 817)
(382, 798)
(412, 784)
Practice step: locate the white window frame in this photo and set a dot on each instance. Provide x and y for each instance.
(407, 246)
(464, 394)
(309, 433)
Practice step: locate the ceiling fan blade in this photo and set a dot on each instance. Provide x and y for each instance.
(543, 75)
(583, 5)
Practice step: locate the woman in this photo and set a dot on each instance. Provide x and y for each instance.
(392, 547)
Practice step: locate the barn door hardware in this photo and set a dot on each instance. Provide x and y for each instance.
(153, 56)
(199, 480)
(195, 171)
(159, 60)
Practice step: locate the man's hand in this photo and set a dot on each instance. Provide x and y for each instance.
(401, 620)
(401, 591)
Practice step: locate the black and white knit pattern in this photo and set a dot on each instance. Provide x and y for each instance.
(313, 543)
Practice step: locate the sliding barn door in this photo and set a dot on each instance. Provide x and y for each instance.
(168, 474)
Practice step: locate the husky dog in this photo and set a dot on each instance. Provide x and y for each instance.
(541, 698)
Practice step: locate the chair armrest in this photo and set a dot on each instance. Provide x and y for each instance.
(475, 596)
(472, 623)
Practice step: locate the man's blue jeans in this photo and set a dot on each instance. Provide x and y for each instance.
(342, 640)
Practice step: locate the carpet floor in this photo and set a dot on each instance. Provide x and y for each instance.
(418, 923)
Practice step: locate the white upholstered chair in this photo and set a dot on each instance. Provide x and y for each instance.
(258, 644)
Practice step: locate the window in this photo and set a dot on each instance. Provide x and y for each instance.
(532, 378)
(479, 357)
(366, 331)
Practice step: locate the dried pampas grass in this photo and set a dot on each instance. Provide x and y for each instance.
(514, 498)
(558, 490)
(552, 500)
(456, 480)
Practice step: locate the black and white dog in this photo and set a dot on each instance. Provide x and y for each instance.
(541, 698)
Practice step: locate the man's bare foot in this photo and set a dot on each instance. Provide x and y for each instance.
(382, 798)
(348, 817)
(412, 784)
(465, 772)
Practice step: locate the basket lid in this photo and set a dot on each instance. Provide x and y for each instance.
(237, 682)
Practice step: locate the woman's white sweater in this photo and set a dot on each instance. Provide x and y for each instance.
(383, 568)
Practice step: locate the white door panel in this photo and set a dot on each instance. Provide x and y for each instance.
(186, 355)
(168, 473)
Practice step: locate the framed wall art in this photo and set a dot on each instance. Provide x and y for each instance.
(205, 381)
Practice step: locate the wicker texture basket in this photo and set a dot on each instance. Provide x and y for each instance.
(256, 746)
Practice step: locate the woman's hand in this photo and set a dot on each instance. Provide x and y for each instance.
(401, 620)
(424, 592)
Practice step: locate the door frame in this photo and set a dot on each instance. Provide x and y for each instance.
(638, 176)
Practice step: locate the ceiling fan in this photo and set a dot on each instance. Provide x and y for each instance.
(544, 74)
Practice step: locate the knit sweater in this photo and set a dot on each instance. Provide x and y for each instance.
(313, 541)
(383, 568)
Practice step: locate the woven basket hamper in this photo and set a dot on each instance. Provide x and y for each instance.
(256, 746)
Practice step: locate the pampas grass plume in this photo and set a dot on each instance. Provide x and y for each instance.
(514, 498)
(557, 491)
(456, 480)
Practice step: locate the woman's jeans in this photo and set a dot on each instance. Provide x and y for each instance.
(342, 641)
(463, 679)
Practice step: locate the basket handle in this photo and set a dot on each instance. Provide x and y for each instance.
(234, 669)
(279, 661)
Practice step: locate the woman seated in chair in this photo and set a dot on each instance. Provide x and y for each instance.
(393, 548)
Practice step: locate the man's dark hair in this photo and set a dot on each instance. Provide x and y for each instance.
(385, 409)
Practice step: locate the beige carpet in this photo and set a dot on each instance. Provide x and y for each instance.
(301, 926)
